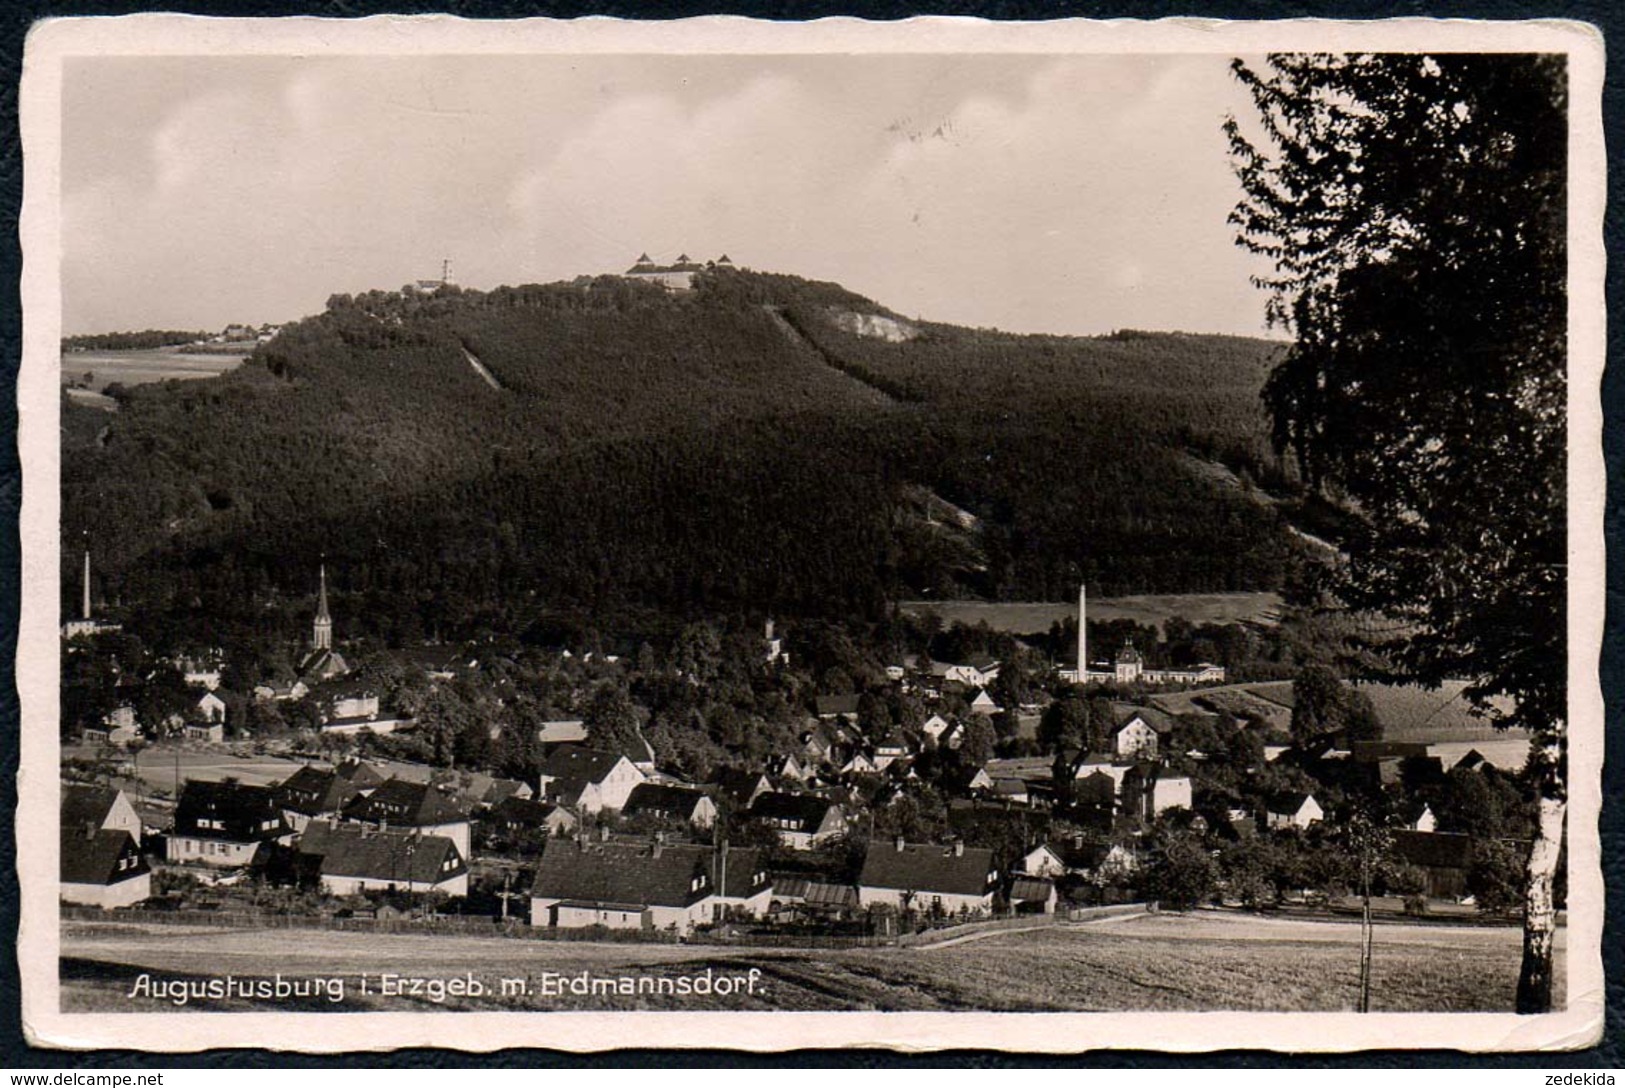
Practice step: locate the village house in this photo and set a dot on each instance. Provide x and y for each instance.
(977, 671)
(1146, 792)
(349, 859)
(102, 867)
(622, 885)
(1298, 810)
(934, 727)
(837, 706)
(675, 803)
(523, 816)
(281, 691)
(562, 731)
(416, 805)
(1139, 732)
(200, 673)
(310, 793)
(1443, 856)
(812, 896)
(928, 877)
(984, 705)
(742, 888)
(1032, 895)
(587, 780)
(890, 750)
(211, 708)
(224, 824)
(204, 732)
(102, 807)
(802, 820)
(677, 276)
(788, 767)
(740, 786)
(478, 790)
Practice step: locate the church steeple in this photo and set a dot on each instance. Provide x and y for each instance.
(322, 638)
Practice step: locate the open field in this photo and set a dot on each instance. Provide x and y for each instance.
(142, 367)
(1205, 961)
(158, 766)
(1035, 617)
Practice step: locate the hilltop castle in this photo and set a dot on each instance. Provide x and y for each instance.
(678, 276)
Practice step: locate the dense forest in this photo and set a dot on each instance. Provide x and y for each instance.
(604, 455)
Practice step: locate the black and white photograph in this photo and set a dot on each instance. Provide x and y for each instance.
(985, 535)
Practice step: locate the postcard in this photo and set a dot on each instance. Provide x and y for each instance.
(1037, 536)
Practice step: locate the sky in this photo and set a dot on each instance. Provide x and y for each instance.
(1059, 194)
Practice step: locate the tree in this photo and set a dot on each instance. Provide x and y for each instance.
(1413, 207)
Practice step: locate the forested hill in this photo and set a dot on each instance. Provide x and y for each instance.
(526, 458)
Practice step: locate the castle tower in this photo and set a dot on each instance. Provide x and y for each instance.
(322, 636)
(1083, 635)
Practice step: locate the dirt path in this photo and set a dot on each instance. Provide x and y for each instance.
(984, 934)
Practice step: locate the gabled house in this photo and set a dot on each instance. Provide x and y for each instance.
(349, 859)
(859, 764)
(1032, 895)
(523, 816)
(802, 820)
(890, 750)
(102, 867)
(984, 705)
(928, 877)
(934, 727)
(1298, 810)
(417, 806)
(788, 766)
(1139, 731)
(210, 707)
(1146, 792)
(674, 803)
(742, 887)
(587, 780)
(1041, 861)
(742, 787)
(976, 671)
(361, 774)
(620, 885)
(310, 793)
(224, 823)
(1444, 856)
(104, 808)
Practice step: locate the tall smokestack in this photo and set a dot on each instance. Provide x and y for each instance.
(87, 584)
(1083, 635)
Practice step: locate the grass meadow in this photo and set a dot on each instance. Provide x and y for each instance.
(1146, 962)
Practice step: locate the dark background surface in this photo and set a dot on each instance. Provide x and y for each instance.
(1608, 15)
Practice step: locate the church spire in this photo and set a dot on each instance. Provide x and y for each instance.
(322, 638)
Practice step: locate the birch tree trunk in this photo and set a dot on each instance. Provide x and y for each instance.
(1540, 913)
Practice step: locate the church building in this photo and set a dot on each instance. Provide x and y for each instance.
(323, 662)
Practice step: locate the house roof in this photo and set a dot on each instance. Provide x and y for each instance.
(743, 867)
(1159, 720)
(805, 810)
(572, 767)
(1031, 888)
(662, 800)
(646, 874)
(815, 892)
(360, 774)
(414, 804)
(311, 790)
(1287, 804)
(381, 854)
(837, 704)
(925, 867)
(524, 812)
(91, 856)
(83, 804)
(242, 809)
(562, 731)
(740, 784)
